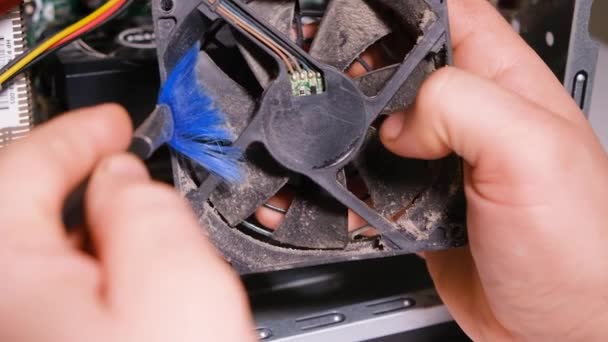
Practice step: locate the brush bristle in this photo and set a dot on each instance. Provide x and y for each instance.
(200, 131)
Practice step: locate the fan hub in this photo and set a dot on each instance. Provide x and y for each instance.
(317, 131)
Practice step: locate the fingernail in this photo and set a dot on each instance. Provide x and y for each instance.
(392, 126)
(125, 166)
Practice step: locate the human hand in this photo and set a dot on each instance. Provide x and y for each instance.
(154, 276)
(536, 182)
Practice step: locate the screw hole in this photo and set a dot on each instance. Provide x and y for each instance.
(166, 5)
(549, 38)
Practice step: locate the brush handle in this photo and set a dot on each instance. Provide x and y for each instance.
(156, 130)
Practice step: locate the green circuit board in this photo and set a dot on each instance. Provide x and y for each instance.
(307, 83)
(43, 15)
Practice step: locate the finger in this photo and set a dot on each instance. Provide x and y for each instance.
(154, 253)
(272, 215)
(52, 290)
(40, 170)
(485, 44)
(480, 121)
(369, 60)
(309, 31)
(133, 220)
(356, 224)
(456, 280)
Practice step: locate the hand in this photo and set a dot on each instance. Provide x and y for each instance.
(536, 181)
(154, 276)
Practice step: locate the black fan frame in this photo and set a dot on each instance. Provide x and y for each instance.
(180, 24)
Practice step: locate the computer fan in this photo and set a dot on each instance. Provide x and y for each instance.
(304, 124)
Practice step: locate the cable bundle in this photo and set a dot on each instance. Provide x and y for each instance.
(31, 56)
(293, 62)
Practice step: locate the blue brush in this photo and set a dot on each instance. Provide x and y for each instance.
(185, 119)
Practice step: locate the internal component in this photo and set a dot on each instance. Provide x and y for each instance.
(46, 15)
(15, 101)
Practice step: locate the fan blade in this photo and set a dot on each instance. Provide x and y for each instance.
(278, 14)
(348, 28)
(372, 82)
(393, 182)
(314, 220)
(263, 178)
(229, 96)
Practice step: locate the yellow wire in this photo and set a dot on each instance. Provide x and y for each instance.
(40, 49)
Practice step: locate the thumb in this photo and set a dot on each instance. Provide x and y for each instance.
(496, 132)
(159, 265)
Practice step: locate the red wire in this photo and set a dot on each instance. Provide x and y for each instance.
(88, 27)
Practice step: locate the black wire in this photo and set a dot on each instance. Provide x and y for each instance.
(299, 28)
(52, 50)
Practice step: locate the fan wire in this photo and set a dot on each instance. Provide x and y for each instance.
(289, 60)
